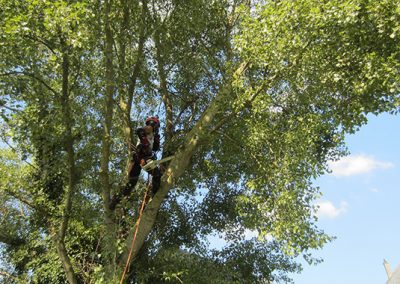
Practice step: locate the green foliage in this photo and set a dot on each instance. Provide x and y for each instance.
(314, 70)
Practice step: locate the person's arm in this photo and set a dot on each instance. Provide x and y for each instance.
(156, 143)
(142, 137)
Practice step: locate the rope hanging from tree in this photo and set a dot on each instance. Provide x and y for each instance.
(135, 234)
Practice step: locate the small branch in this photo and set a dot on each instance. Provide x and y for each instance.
(15, 150)
(6, 274)
(212, 55)
(21, 210)
(248, 103)
(22, 199)
(10, 108)
(42, 209)
(35, 38)
(185, 107)
(31, 76)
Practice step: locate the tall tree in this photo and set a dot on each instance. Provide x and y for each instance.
(255, 97)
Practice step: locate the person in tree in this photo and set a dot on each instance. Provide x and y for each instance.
(143, 153)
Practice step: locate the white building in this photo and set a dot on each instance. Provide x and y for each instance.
(393, 277)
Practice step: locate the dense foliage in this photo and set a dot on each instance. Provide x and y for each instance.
(254, 96)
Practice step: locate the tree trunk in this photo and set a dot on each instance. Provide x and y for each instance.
(62, 253)
(109, 248)
(69, 147)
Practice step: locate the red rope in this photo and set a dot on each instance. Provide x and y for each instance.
(134, 236)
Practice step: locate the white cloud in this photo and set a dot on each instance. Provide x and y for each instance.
(328, 210)
(357, 164)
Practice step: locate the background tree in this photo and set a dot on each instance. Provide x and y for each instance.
(255, 98)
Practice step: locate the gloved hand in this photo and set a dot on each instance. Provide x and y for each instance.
(140, 132)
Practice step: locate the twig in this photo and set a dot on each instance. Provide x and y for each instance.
(32, 76)
(35, 38)
(16, 151)
(6, 274)
(10, 108)
(20, 198)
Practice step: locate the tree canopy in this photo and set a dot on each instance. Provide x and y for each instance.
(254, 97)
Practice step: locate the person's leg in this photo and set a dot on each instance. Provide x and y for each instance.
(134, 172)
(156, 180)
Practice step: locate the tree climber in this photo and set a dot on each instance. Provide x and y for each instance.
(142, 154)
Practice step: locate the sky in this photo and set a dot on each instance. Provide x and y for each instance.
(361, 207)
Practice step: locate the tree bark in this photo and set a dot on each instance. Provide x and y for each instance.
(127, 94)
(109, 248)
(165, 95)
(62, 253)
(69, 147)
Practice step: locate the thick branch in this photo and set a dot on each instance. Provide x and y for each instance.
(139, 60)
(65, 260)
(108, 107)
(69, 145)
(164, 93)
(109, 242)
(59, 238)
(126, 106)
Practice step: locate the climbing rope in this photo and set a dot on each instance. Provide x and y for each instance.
(136, 231)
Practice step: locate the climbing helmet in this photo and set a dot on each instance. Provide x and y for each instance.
(153, 121)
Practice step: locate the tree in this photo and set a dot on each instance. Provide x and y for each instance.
(255, 98)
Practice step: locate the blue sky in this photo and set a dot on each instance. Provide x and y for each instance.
(361, 207)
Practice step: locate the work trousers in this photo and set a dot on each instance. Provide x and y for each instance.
(134, 173)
